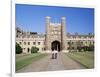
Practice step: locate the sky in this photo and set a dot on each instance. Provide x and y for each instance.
(32, 18)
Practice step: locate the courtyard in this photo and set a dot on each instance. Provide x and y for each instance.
(67, 31)
(65, 61)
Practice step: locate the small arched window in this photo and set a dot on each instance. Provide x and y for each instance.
(24, 43)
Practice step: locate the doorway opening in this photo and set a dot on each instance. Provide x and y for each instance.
(55, 45)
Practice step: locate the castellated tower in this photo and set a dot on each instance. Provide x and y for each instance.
(55, 35)
(63, 35)
(47, 42)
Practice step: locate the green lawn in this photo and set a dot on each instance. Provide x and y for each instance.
(24, 60)
(84, 58)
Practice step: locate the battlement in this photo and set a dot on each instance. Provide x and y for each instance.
(55, 24)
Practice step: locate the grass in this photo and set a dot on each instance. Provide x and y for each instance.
(84, 58)
(24, 60)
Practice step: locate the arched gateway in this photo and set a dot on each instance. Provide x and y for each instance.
(56, 35)
(55, 45)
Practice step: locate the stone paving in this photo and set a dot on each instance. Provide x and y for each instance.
(55, 64)
(63, 62)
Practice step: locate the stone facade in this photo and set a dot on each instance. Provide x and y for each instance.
(55, 38)
(55, 32)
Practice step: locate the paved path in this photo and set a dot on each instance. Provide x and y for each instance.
(63, 62)
(55, 64)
